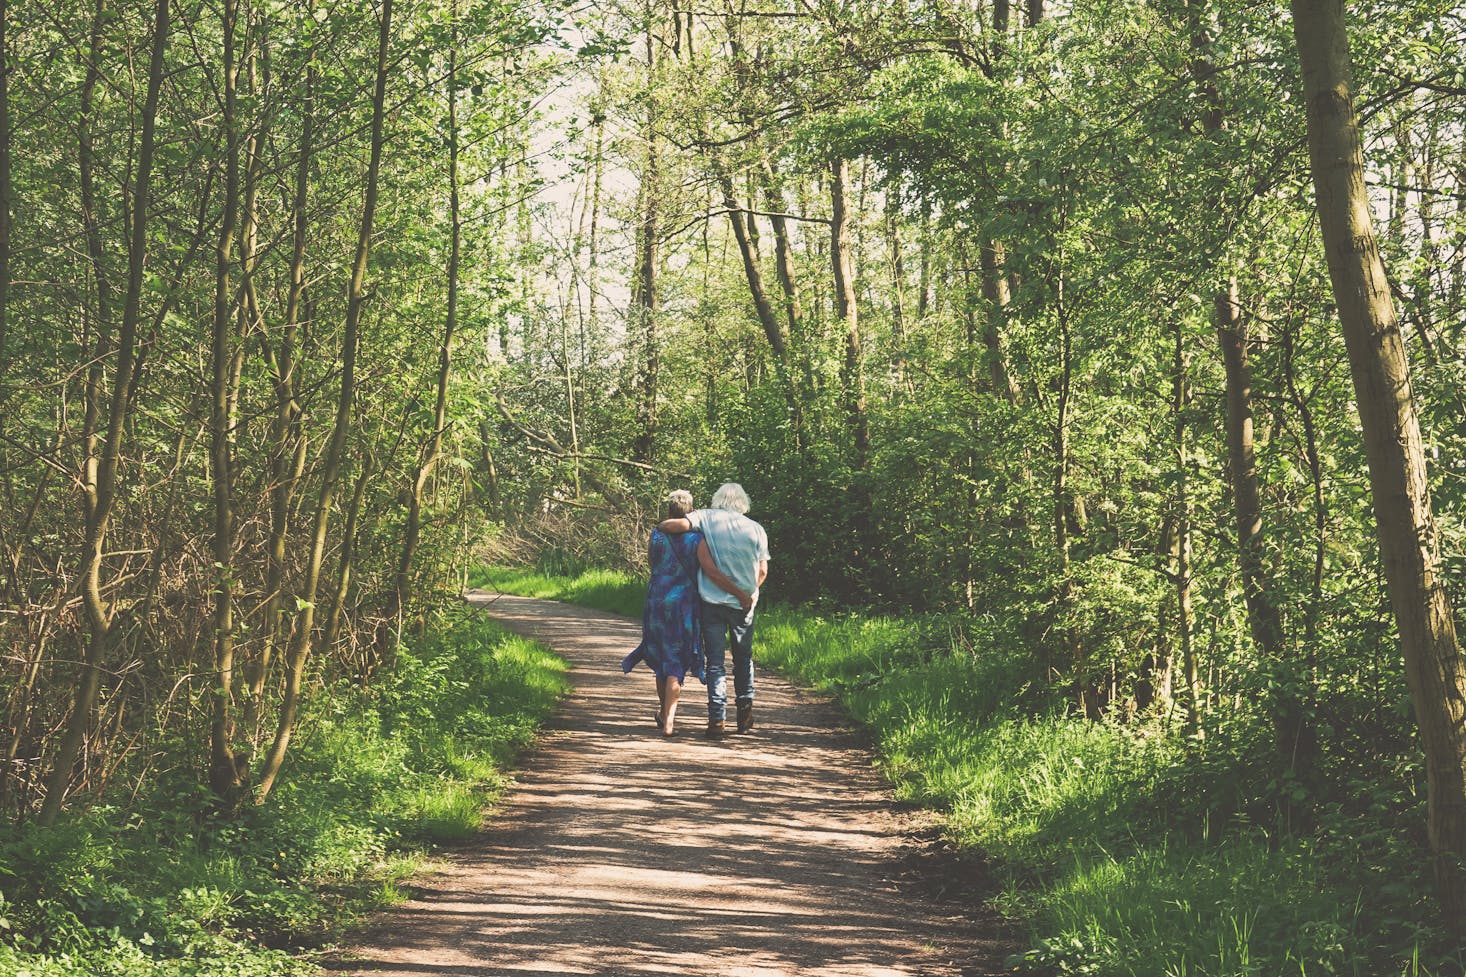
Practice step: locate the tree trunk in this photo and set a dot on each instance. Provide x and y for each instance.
(1398, 483)
(300, 643)
(1087, 698)
(1180, 546)
(997, 293)
(783, 253)
(765, 309)
(225, 776)
(898, 298)
(1291, 734)
(644, 294)
(853, 374)
(597, 167)
(1293, 738)
(4, 186)
(288, 444)
(346, 567)
(413, 530)
(101, 486)
(1314, 609)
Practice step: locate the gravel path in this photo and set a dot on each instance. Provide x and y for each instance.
(620, 854)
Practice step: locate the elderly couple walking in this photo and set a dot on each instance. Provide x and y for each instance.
(706, 568)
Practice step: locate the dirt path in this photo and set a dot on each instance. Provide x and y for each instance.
(620, 854)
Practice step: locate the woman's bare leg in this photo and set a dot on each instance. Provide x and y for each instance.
(661, 701)
(672, 691)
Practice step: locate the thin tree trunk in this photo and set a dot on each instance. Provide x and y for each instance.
(996, 287)
(846, 313)
(597, 166)
(765, 309)
(1312, 458)
(347, 563)
(225, 776)
(1404, 524)
(101, 323)
(101, 491)
(5, 189)
(898, 297)
(1181, 552)
(783, 253)
(413, 530)
(644, 297)
(924, 273)
(1062, 420)
(288, 445)
(300, 643)
(996, 291)
(1292, 734)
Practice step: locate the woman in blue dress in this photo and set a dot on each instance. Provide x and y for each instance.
(671, 632)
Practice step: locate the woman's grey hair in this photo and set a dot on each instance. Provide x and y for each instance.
(730, 495)
(679, 503)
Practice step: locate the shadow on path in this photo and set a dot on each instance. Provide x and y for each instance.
(621, 854)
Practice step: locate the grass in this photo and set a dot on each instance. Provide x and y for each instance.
(1123, 851)
(604, 590)
(376, 778)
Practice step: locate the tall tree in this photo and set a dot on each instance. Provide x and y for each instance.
(1399, 486)
(432, 451)
(356, 299)
(99, 483)
(225, 776)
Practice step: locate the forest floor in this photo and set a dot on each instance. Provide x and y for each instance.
(619, 853)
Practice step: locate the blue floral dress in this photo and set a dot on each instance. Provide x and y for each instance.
(671, 628)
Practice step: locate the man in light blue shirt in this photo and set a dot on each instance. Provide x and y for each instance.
(740, 548)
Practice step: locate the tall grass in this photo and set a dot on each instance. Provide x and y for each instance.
(1125, 850)
(164, 886)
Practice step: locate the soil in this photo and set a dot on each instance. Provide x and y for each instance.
(619, 853)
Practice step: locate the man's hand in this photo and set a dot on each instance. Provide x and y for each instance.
(719, 578)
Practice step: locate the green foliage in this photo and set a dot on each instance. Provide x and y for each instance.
(167, 886)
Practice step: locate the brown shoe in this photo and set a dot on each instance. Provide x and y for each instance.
(745, 716)
(716, 730)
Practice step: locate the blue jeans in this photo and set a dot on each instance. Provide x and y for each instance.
(719, 622)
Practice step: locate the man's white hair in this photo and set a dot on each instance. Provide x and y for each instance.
(730, 496)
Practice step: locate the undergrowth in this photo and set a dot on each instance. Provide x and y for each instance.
(1125, 849)
(164, 886)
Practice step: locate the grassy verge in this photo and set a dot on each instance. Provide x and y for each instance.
(1125, 853)
(604, 590)
(163, 887)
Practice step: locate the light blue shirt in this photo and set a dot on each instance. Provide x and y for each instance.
(738, 545)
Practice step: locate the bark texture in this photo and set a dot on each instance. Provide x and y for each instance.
(1401, 493)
